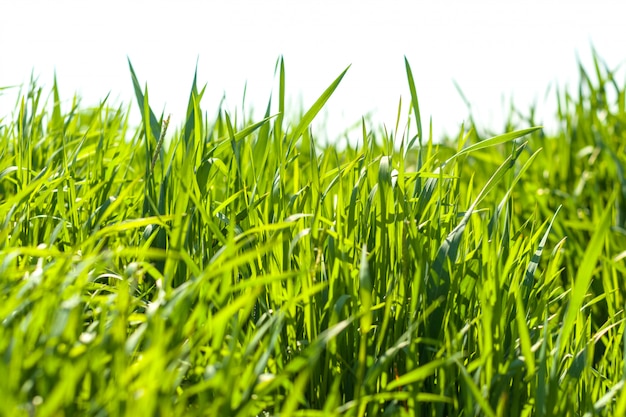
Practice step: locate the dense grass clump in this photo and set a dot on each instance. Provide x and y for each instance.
(238, 269)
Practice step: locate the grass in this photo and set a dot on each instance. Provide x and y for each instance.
(240, 269)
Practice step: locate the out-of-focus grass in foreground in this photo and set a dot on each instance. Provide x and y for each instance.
(240, 269)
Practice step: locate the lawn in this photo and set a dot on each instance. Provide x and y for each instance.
(238, 267)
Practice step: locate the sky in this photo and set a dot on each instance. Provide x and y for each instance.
(495, 51)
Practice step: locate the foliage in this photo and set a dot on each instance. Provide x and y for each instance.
(239, 269)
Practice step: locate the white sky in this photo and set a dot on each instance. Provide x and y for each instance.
(494, 50)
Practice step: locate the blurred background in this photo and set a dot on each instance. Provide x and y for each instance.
(497, 52)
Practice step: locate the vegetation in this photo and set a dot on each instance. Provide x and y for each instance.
(240, 269)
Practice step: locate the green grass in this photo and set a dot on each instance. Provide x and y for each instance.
(240, 269)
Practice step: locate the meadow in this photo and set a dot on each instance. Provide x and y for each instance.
(241, 268)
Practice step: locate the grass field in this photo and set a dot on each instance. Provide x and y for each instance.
(241, 269)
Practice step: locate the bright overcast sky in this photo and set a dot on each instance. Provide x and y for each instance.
(494, 50)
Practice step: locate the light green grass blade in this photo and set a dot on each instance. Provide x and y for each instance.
(585, 274)
(529, 276)
(414, 104)
(496, 140)
(317, 106)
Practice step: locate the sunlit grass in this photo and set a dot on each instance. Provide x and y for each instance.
(242, 269)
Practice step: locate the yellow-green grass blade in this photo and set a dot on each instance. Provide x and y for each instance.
(584, 276)
(317, 106)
